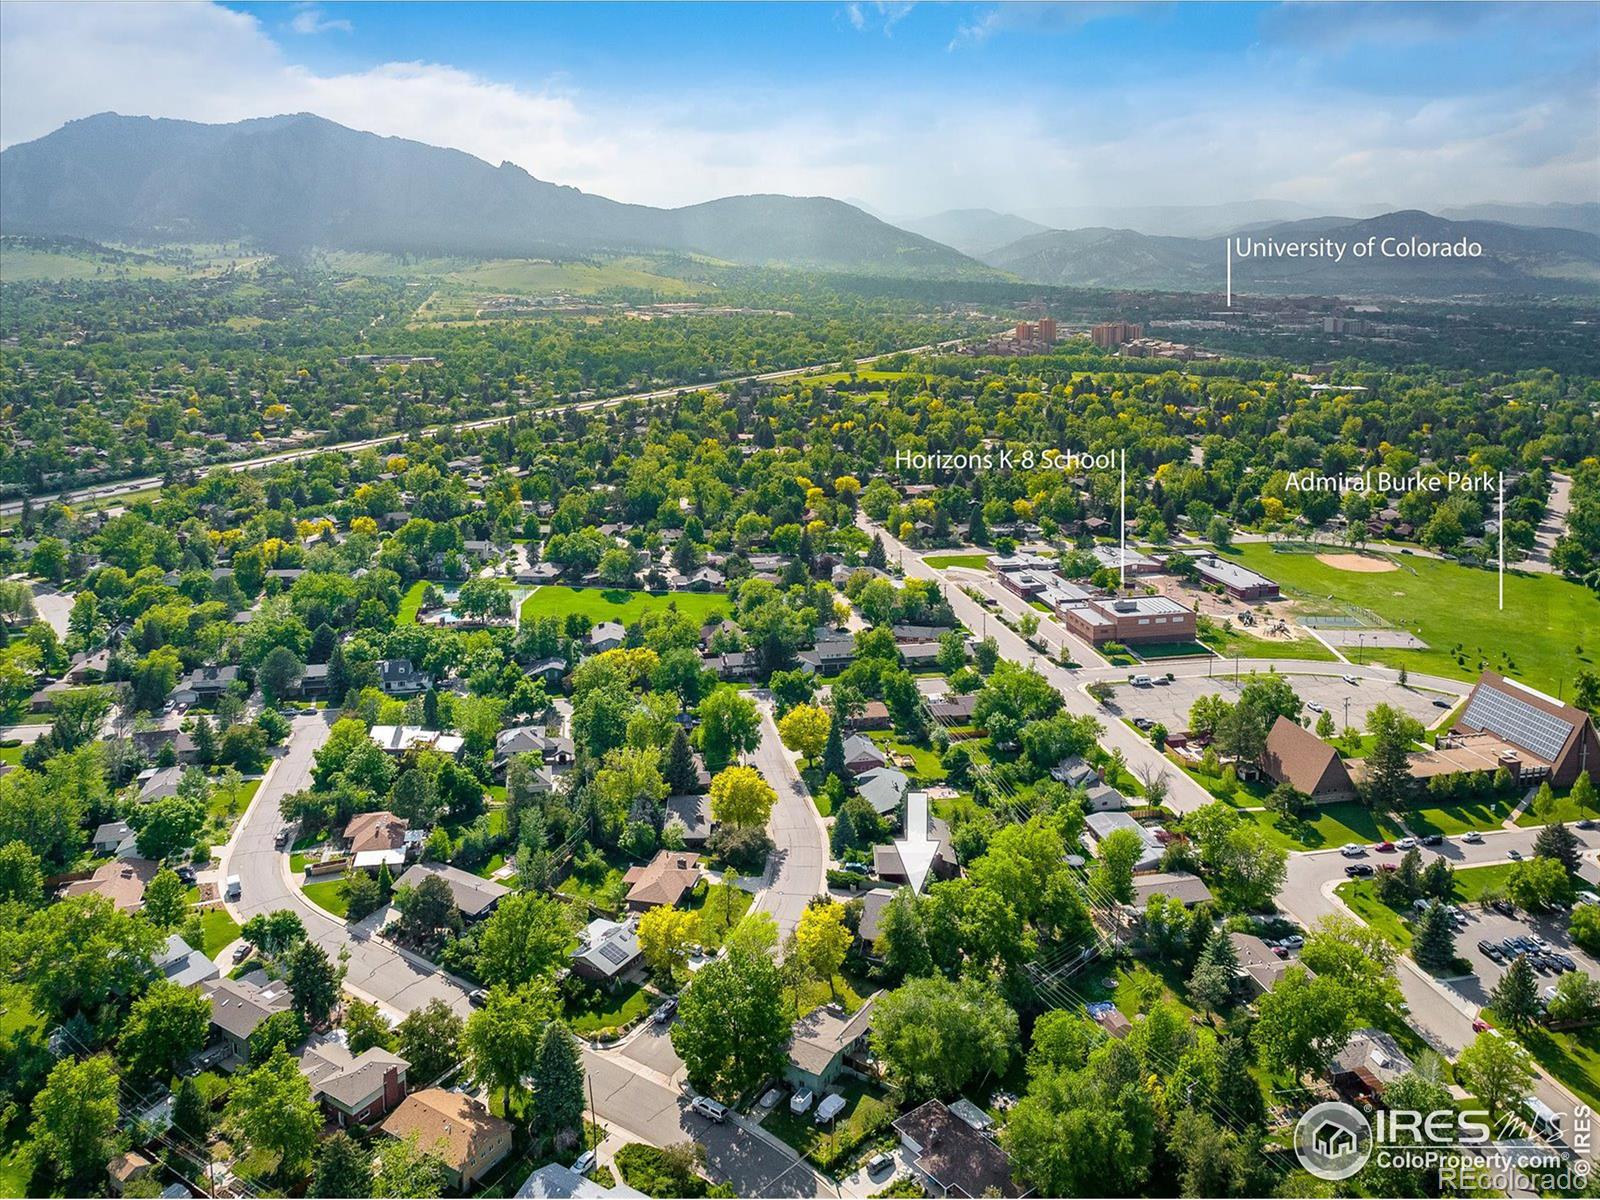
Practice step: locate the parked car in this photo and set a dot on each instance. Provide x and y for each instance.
(1489, 949)
(1441, 703)
(1384, 847)
(1352, 850)
(1513, 853)
(1479, 1025)
(1586, 823)
(1293, 942)
(1314, 706)
(1407, 843)
(709, 1109)
(477, 997)
(1502, 906)
(663, 1013)
(1433, 839)
(801, 1101)
(1279, 951)
(1355, 870)
(1472, 837)
(1351, 680)
(878, 1164)
(584, 1163)
(242, 952)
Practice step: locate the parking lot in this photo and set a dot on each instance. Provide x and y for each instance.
(1487, 925)
(1169, 703)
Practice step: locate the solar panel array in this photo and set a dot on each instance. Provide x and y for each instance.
(612, 952)
(1518, 722)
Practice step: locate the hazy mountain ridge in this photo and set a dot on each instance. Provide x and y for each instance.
(295, 182)
(974, 231)
(1516, 259)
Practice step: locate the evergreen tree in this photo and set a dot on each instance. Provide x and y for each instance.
(977, 531)
(1560, 843)
(322, 643)
(558, 1086)
(876, 557)
(679, 771)
(338, 676)
(343, 1168)
(1439, 880)
(833, 752)
(1409, 874)
(1238, 1096)
(189, 1112)
(843, 836)
(1435, 946)
(205, 741)
(430, 709)
(1516, 997)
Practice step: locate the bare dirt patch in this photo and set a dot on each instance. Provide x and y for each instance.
(1362, 564)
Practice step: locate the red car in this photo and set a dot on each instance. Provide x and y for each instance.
(1384, 847)
(1479, 1024)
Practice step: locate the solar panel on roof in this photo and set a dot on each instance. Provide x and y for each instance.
(1518, 722)
(613, 953)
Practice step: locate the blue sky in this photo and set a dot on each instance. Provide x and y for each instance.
(910, 108)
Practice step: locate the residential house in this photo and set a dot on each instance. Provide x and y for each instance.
(874, 715)
(239, 1005)
(824, 1042)
(399, 678)
(883, 788)
(375, 839)
(607, 951)
(89, 668)
(122, 881)
(694, 814)
(607, 635)
(953, 709)
(157, 783)
(556, 1182)
(920, 656)
(125, 1169)
(1188, 889)
(475, 897)
(665, 879)
(114, 837)
(1097, 826)
(399, 739)
(831, 654)
(1305, 762)
(207, 683)
(872, 905)
(1259, 967)
(862, 754)
(183, 965)
(550, 670)
(739, 666)
(888, 866)
(458, 1128)
(1074, 772)
(1369, 1062)
(353, 1089)
(313, 682)
(951, 1158)
(149, 743)
(918, 633)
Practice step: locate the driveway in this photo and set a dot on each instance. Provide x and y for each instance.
(375, 971)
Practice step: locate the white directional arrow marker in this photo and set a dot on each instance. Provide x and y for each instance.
(917, 850)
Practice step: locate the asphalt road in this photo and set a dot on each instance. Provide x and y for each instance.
(798, 873)
(1441, 1012)
(375, 971)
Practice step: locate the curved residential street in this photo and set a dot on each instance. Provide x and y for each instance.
(799, 869)
(376, 971)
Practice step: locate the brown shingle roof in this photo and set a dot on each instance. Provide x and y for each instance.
(664, 879)
(1301, 759)
(122, 881)
(455, 1127)
(376, 831)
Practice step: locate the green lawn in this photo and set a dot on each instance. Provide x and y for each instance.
(928, 768)
(329, 894)
(1545, 617)
(220, 930)
(596, 1009)
(16, 1010)
(1451, 819)
(866, 1113)
(225, 807)
(410, 604)
(11, 755)
(814, 993)
(1566, 809)
(1361, 895)
(720, 910)
(1160, 650)
(1234, 641)
(1572, 1056)
(1326, 826)
(605, 604)
(602, 886)
(943, 562)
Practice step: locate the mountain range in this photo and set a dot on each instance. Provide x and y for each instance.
(291, 183)
(300, 182)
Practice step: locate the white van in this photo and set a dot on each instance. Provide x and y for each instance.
(1546, 1121)
(234, 889)
(1141, 681)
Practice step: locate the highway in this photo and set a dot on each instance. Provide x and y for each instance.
(109, 491)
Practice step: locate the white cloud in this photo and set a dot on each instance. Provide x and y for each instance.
(311, 19)
(980, 143)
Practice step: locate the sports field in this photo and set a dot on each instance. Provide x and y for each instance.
(1536, 639)
(606, 604)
